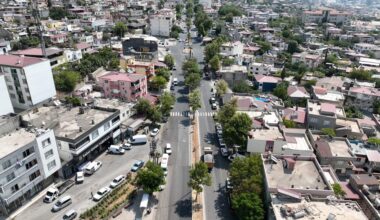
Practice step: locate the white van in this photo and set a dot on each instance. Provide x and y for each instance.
(138, 139)
(164, 163)
(175, 81)
(114, 149)
(62, 203)
(92, 167)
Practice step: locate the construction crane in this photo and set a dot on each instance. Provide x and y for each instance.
(36, 15)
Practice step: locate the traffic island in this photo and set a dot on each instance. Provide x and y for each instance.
(197, 205)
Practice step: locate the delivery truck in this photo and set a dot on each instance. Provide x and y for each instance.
(208, 158)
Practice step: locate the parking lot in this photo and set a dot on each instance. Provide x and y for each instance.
(113, 165)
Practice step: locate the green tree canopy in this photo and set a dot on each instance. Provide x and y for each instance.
(235, 131)
(195, 100)
(191, 66)
(158, 82)
(215, 63)
(142, 106)
(328, 131)
(248, 206)
(338, 190)
(360, 74)
(293, 46)
(120, 29)
(289, 123)
(150, 178)
(199, 177)
(166, 102)
(230, 9)
(57, 13)
(169, 61)
(374, 140)
(264, 46)
(164, 72)
(221, 87)
(66, 81)
(281, 91)
(154, 114)
(192, 80)
(242, 87)
(226, 112)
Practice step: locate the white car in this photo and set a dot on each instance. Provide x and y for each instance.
(98, 164)
(154, 132)
(224, 151)
(80, 177)
(117, 181)
(168, 149)
(101, 193)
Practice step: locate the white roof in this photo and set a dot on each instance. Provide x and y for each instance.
(144, 201)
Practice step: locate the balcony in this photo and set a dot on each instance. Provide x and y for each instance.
(23, 189)
(135, 85)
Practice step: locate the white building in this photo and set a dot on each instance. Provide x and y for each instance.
(260, 68)
(232, 49)
(24, 77)
(72, 55)
(5, 47)
(28, 159)
(330, 16)
(162, 22)
(206, 3)
(6, 103)
(310, 60)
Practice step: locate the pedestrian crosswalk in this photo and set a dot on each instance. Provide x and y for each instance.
(187, 114)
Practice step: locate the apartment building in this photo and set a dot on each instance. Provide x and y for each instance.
(310, 60)
(233, 74)
(362, 97)
(124, 86)
(23, 77)
(142, 47)
(28, 159)
(5, 100)
(161, 23)
(54, 54)
(330, 16)
(232, 49)
(323, 115)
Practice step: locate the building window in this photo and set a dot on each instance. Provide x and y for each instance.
(14, 71)
(46, 142)
(10, 87)
(49, 154)
(14, 188)
(24, 81)
(28, 152)
(13, 96)
(95, 134)
(107, 126)
(51, 165)
(326, 122)
(11, 176)
(27, 90)
(7, 164)
(34, 175)
(31, 164)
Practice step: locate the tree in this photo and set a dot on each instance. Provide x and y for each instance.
(283, 73)
(195, 100)
(289, 123)
(264, 46)
(114, 64)
(242, 87)
(169, 61)
(374, 141)
(293, 46)
(281, 91)
(338, 190)
(199, 177)
(221, 87)
(150, 178)
(57, 13)
(143, 106)
(235, 131)
(230, 9)
(226, 112)
(66, 81)
(211, 50)
(328, 131)
(164, 72)
(215, 63)
(119, 29)
(192, 80)
(360, 74)
(191, 66)
(158, 82)
(154, 114)
(166, 102)
(248, 206)
(227, 61)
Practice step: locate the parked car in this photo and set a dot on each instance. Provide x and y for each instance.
(92, 167)
(53, 192)
(213, 106)
(62, 203)
(71, 214)
(101, 193)
(79, 177)
(115, 149)
(117, 181)
(137, 165)
(168, 149)
(212, 100)
(224, 152)
(126, 146)
(154, 132)
(138, 139)
(229, 186)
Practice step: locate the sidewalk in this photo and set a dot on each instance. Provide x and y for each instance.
(135, 212)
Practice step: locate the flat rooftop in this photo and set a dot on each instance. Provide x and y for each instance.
(304, 176)
(112, 103)
(314, 108)
(318, 210)
(339, 148)
(67, 122)
(272, 133)
(348, 123)
(297, 142)
(14, 141)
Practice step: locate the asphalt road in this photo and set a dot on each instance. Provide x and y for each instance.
(113, 165)
(175, 199)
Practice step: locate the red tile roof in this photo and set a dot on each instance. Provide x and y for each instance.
(81, 46)
(327, 107)
(267, 79)
(323, 148)
(299, 115)
(19, 61)
(293, 89)
(244, 102)
(319, 90)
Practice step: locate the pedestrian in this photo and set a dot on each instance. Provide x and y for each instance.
(92, 196)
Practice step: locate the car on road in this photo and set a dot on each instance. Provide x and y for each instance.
(62, 203)
(229, 186)
(233, 156)
(71, 214)
(212, 100)
(224, 152)
(117, 181)
(171, 87)
(79, 177)
(92, 167)
(175, 81)
(168, 149)
(213, 106)
(101, 193)
(154, 132)
(126, 146)
(137, 165)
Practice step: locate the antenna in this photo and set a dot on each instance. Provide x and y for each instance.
(36, 15)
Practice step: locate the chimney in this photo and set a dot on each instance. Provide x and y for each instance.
(80, 129)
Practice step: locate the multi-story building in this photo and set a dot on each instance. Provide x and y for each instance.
(5, 47)
(140, 67)
(233, 74)
(55, 55)
(161, 23)
(23, 76)
(28, 159)
(124, 86)
(232, 49)
(362, 97)
(6, 103)
(82, 133)
(330, 16)
(142, 47)
(310, 60)
(323, 115)
(206, 3)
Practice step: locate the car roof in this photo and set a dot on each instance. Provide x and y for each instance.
(103, 189)
(65, 198)
(119, 177)
(70, 212)
(168, 145)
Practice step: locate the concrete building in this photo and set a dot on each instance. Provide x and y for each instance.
(206, 3)
(29, 158)
(232, 49)
(161, 23)
(55, 55)
(132, 65)
(142, 47)
(23, 77)
(124, 86)
(323, 115)
(362, 97)
(330, 96)
(261, 68)
(233, 74)
(5, 100)
(330, 16)
(5, 47)
(310, 60)
(266, 83)
(82, 133)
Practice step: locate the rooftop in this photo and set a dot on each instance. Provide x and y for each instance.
(18, 61)
(353, 125)
(14, 141)
(305, 175)
(315, 108)
(67, 122)
(296, 139)
(37, 52)
(270, 133)
(317, 210)
(118, 76)
(339, 148)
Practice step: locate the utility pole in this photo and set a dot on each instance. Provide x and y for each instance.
(36, 16)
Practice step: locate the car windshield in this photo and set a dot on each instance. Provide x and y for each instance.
(49, 193)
